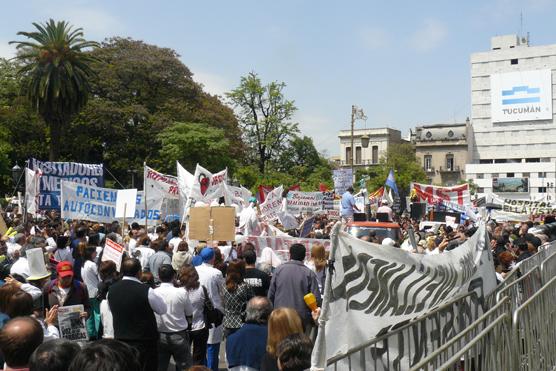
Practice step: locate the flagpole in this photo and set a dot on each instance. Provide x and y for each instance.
(145, 195)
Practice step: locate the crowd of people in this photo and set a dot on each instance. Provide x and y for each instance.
(168, 300)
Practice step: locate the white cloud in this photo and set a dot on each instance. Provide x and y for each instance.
(374, 37)
(429, 36)
(213, 83)
(6, 50)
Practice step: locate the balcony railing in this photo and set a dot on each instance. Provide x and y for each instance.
(455, 169)
(360, 163)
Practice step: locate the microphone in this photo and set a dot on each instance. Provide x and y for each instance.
(311, 301)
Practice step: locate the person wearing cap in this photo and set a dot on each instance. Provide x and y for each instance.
(65, 290)
(384, 208)
(212, 279)
(348, 206)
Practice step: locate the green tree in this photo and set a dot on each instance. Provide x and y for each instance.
(192, 143)
(401, 158)
(57, 73)
(265, 116)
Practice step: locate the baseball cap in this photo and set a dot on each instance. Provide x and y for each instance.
(207, 254)
(197, 260)
(64, 269)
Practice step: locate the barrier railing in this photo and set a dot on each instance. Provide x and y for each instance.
(548, 268)
(534, 325)
(522, 288)
(406, 345)
(535, 260)
(448, 350)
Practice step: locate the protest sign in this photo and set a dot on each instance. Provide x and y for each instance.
(281, 245)
(114, 252)
(306, 227)
(304, 202)
(54, 172)
(433, 195)
(375, 288)
(208, 186)
(212, 223)
(72, 326)
(98, 204)
(125, 203)
(272, 205)
(162, 193)
(528, 207)
(343, 178)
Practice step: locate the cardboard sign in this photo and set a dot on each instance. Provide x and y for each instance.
(3, 226)
(114, 252)
(125, 200)
(212, 223)
(72, 326)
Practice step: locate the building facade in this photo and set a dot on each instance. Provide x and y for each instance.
(512, 140)
(379, 140)
(442, 151)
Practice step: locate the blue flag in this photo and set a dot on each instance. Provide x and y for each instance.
(391, 182)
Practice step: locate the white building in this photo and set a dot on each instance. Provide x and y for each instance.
(368, 151)
(513, 134)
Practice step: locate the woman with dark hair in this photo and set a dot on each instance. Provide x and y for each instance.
(108, 275)
(78, 259)
(189, 280)
(236, 294)
(89, 273)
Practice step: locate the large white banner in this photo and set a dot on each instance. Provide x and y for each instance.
(96, 204)
(304, 202)
(208, 186)
(272, 205)
(375, 288)
(162, 193)
(521, 96)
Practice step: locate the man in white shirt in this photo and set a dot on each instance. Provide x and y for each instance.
(384, 208)
(212, 279)
(173, 325)
(15, 246)
(21, 266)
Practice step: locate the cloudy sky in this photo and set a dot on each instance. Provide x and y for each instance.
(405, 63)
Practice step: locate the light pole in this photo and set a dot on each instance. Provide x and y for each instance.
(17, 172)
(357, 114)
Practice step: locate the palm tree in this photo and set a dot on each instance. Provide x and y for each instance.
(56, 71)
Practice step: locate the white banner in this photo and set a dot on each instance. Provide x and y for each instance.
(343, 178)
(304, 202)
(375, 288)
(32, 190)
(96, 204)
(521, 96)
(162, 193)
(208, 186)
(432, 195)
(114, 252)
(272, 205)
(281, 245)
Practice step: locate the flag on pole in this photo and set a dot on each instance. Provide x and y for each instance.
(391, 182)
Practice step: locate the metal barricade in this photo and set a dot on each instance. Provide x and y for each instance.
(511, 277)
(446, 351)
(534, 260)
(534, 330)
(523, 288)
(548, 268)
(408, 344)
(491, 349)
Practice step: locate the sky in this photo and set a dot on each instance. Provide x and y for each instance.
(405, 63)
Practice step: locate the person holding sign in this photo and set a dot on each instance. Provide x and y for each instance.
(65, 290)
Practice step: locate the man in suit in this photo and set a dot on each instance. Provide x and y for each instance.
(133, 305)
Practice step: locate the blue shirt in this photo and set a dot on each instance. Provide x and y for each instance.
(247, 346)
(347, 204)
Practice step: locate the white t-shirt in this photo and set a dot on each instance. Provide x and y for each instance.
(89, 274)
(21, 267)
(107, 320)
(175, 241)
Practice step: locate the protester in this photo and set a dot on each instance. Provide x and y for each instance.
(108, 355)
(21, 265)
(174, 324)
(256, 278)
(247, 346)
(143, 251)
(65, 290)
(199, 333)
(385, 209)
(18, 340)
(294, 353)
(291, 282)
(317, 263)
(133, 305)
(108, 275)
(182, 256)
(160, 257)
(55, 355)
(348, 206)
(89, 272)
(176, 239)
(281, 323)
(211, 278)
(235, 296)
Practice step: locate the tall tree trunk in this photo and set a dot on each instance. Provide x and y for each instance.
(55, 136)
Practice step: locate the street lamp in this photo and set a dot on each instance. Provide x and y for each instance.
(16, 176)
(357, 114)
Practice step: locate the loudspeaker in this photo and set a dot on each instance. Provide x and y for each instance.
(418, 210)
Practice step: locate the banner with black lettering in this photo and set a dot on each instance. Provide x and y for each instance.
(375, 288)
(54, 172)
(162, 194)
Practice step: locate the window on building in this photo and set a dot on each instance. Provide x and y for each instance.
(542, 189)
(525, 175)
(358, 155)
(428, 162)
(375, 154)
(532, 160)
(542, 174)
(480, 190)
(480, 176)
(514, 61)
(500, 161)
(450, 162)
(485, 161)
(348, 155)
(494, 175)
(510, 175)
